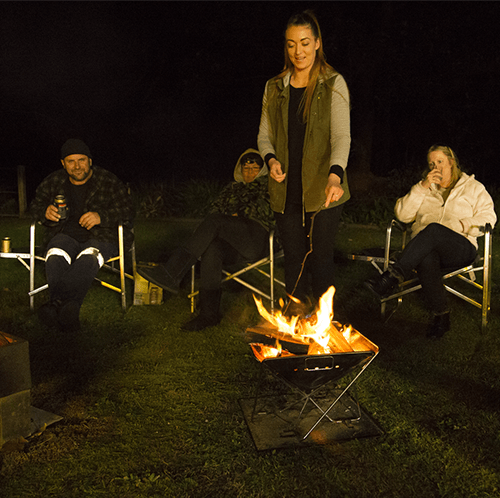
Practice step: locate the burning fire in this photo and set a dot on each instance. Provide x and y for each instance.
(318, 331)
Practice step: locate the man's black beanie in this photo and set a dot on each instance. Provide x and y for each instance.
(75, 146)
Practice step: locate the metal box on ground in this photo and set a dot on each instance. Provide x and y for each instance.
(15, 385)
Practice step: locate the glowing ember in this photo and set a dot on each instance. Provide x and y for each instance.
(263, 352)
(318, 331)
(5, 339)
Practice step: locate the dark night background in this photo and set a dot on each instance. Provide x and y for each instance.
(169, 91)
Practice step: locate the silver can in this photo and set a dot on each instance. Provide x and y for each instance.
(62, 208)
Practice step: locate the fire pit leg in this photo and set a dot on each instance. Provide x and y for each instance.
(261, 381)
(325, 414)
(307, 397)
(321, 410)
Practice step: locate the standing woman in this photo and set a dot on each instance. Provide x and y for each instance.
(304, 137)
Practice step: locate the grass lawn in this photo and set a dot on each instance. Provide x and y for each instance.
(149, 410)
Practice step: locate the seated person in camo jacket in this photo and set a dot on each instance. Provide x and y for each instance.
(78, 245)
(237, 228)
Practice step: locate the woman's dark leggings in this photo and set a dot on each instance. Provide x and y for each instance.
(293, 229)
(431, 251)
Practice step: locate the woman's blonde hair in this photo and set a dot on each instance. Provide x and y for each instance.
(456, 172)
(320, 66)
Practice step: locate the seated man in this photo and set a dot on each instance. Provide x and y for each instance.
(236, 228)
(79, 241)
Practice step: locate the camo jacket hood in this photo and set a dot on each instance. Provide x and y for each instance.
(248, 200)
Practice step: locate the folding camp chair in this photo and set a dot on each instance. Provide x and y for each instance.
(481, 268)
(257, 266)
(108, 265)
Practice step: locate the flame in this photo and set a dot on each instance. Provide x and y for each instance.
(318, 331)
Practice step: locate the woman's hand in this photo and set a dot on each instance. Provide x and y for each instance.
(434, 176)
(276, 172)
(333, 190)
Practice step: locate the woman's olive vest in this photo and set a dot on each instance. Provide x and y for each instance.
(316, 151)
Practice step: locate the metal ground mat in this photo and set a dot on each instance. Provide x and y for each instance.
(276, 421)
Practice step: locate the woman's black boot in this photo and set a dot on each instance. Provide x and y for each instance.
(439, 326)
(383, 284)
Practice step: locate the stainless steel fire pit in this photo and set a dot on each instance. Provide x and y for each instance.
(318, 405)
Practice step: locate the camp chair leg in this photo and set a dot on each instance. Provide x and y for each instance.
(236, 276)
(109, 265)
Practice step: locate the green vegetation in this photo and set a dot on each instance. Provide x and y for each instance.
(187, 199)
(152, 411)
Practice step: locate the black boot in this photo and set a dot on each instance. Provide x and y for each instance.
(69, 316)
(209, 311)
(170, 275)
(383, 284)
(439, 326)
(48, 313)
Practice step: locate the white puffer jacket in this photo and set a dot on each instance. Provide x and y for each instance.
(468, 207)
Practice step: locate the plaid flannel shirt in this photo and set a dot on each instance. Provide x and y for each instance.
(106, 195)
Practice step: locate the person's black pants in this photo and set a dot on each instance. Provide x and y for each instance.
(293, 228)
(71, 266)
(431, 251)
(224, 240)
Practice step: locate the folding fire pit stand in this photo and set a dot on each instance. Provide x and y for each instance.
(278, 421)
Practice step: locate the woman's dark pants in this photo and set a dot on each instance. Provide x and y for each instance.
(294, 226)
(430, 252)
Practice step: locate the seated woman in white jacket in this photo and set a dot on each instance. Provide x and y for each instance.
(447, 209)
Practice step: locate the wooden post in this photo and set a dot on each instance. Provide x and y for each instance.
(21, 190)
